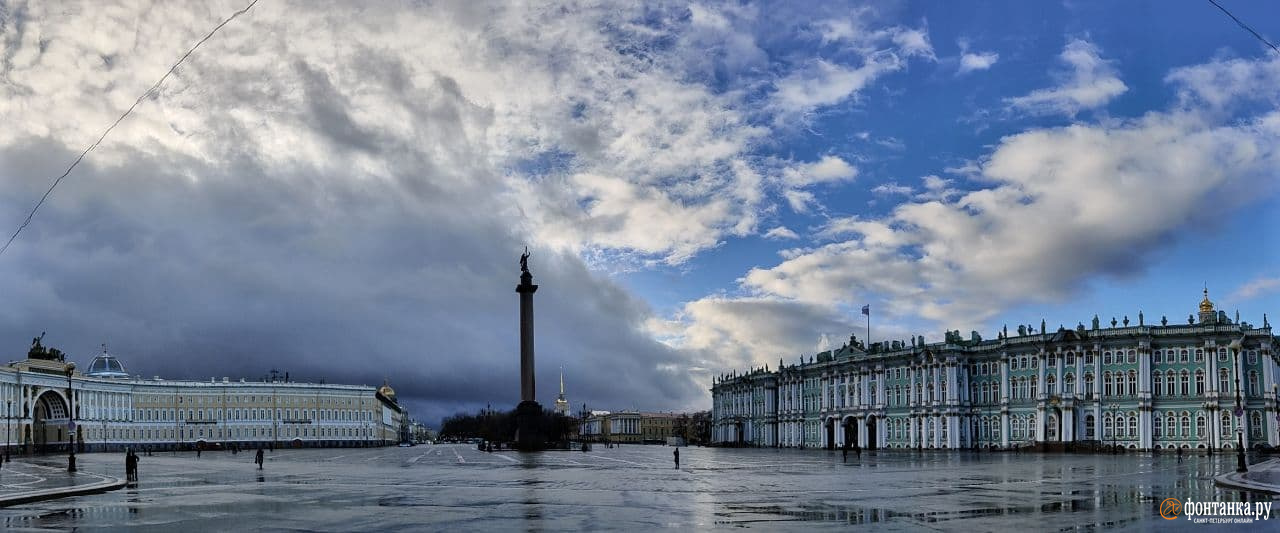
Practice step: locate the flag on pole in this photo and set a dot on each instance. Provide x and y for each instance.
(866, 310)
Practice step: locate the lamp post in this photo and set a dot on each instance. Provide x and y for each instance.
(1275, 392)
(1114, 407)
(1239, 412)
(71, 423)
(8, 414)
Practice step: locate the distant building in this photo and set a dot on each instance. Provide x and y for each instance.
(562, 405)
(1143, 386)
(630, 426)
(655, 428)
(50, 404)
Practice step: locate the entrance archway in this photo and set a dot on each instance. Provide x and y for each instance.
(49, 431)
(831, 433)
(871, 433)
(850, 433)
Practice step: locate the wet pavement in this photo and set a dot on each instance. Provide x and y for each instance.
(455, 487)
(23, 476)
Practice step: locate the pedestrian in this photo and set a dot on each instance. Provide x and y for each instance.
(258, 459)
(1179, 455)
(198, 451)
(135, 464)
(857, 451)
(676, 453)
(844, 454)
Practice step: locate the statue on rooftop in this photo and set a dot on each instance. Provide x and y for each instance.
(1141, 322)
(1022, 330)
(1126, 321)
(1113, 322)
(1095, 321)
(524, 260)
(1164, 320)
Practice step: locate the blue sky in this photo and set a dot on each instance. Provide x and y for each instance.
(342, 193)
(930, 117)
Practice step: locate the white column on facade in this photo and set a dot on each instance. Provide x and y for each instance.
(1004, 378)
(1244, 398)
(1040, 372)
(911, 431)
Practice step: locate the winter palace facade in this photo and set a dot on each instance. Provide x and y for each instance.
(1208, 383)
(48, 403)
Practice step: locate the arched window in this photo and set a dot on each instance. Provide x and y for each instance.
(1155, 357)
(1170, 384)
(1107, 431)
(1034, 379)
(1184, 356)
(1106, 358)
(1171, 423)
(1089, 423)
(1199, 356)
(1225, 430)
(1186, 383)
(1199, 382)
(1133, 383)
(1224, 381)
(1050, 385)
(1133, 425)
(1158, 379)
(1133, 356)
(1069, 384)
(1088, 384)
(1106, 383)
(1255, 424)
(1157, 426)
(1222, 354)
(1186, 424)
(1200, 426)
(1253, 383)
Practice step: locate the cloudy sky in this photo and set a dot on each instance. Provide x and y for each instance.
(342, 190)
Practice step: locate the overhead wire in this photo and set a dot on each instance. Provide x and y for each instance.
(127, 112)
(1245, 26)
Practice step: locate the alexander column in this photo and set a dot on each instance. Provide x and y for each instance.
(529, 413)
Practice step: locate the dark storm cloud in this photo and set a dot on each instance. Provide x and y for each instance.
(224, 277)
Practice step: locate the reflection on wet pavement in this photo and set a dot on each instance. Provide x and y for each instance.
(634, 487)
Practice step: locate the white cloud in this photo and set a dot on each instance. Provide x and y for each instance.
(892, 188)
(828, 169)
(799, 201)
(1091, 83)
(780, 233)
(1060, 207)
(1222, 82)
(1254, 288)
(824, 82)
(970, 62)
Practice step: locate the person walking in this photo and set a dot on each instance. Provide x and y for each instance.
(844, 454)
(1179, 455)
(676, 453)
(258, 459)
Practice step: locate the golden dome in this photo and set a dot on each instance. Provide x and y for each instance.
(1205, 305)
(387, 391)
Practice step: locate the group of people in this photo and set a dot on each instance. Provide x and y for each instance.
(844, 452)
(131, 463)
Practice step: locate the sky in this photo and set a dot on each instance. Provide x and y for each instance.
(342, 190)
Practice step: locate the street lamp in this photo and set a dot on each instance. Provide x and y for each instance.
(1275, 391)
(71, 422)
(8, 414)
(1114, 407)
(1239, 412)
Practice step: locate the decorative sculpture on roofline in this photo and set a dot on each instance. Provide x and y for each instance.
(40, 351)
(524, 260)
